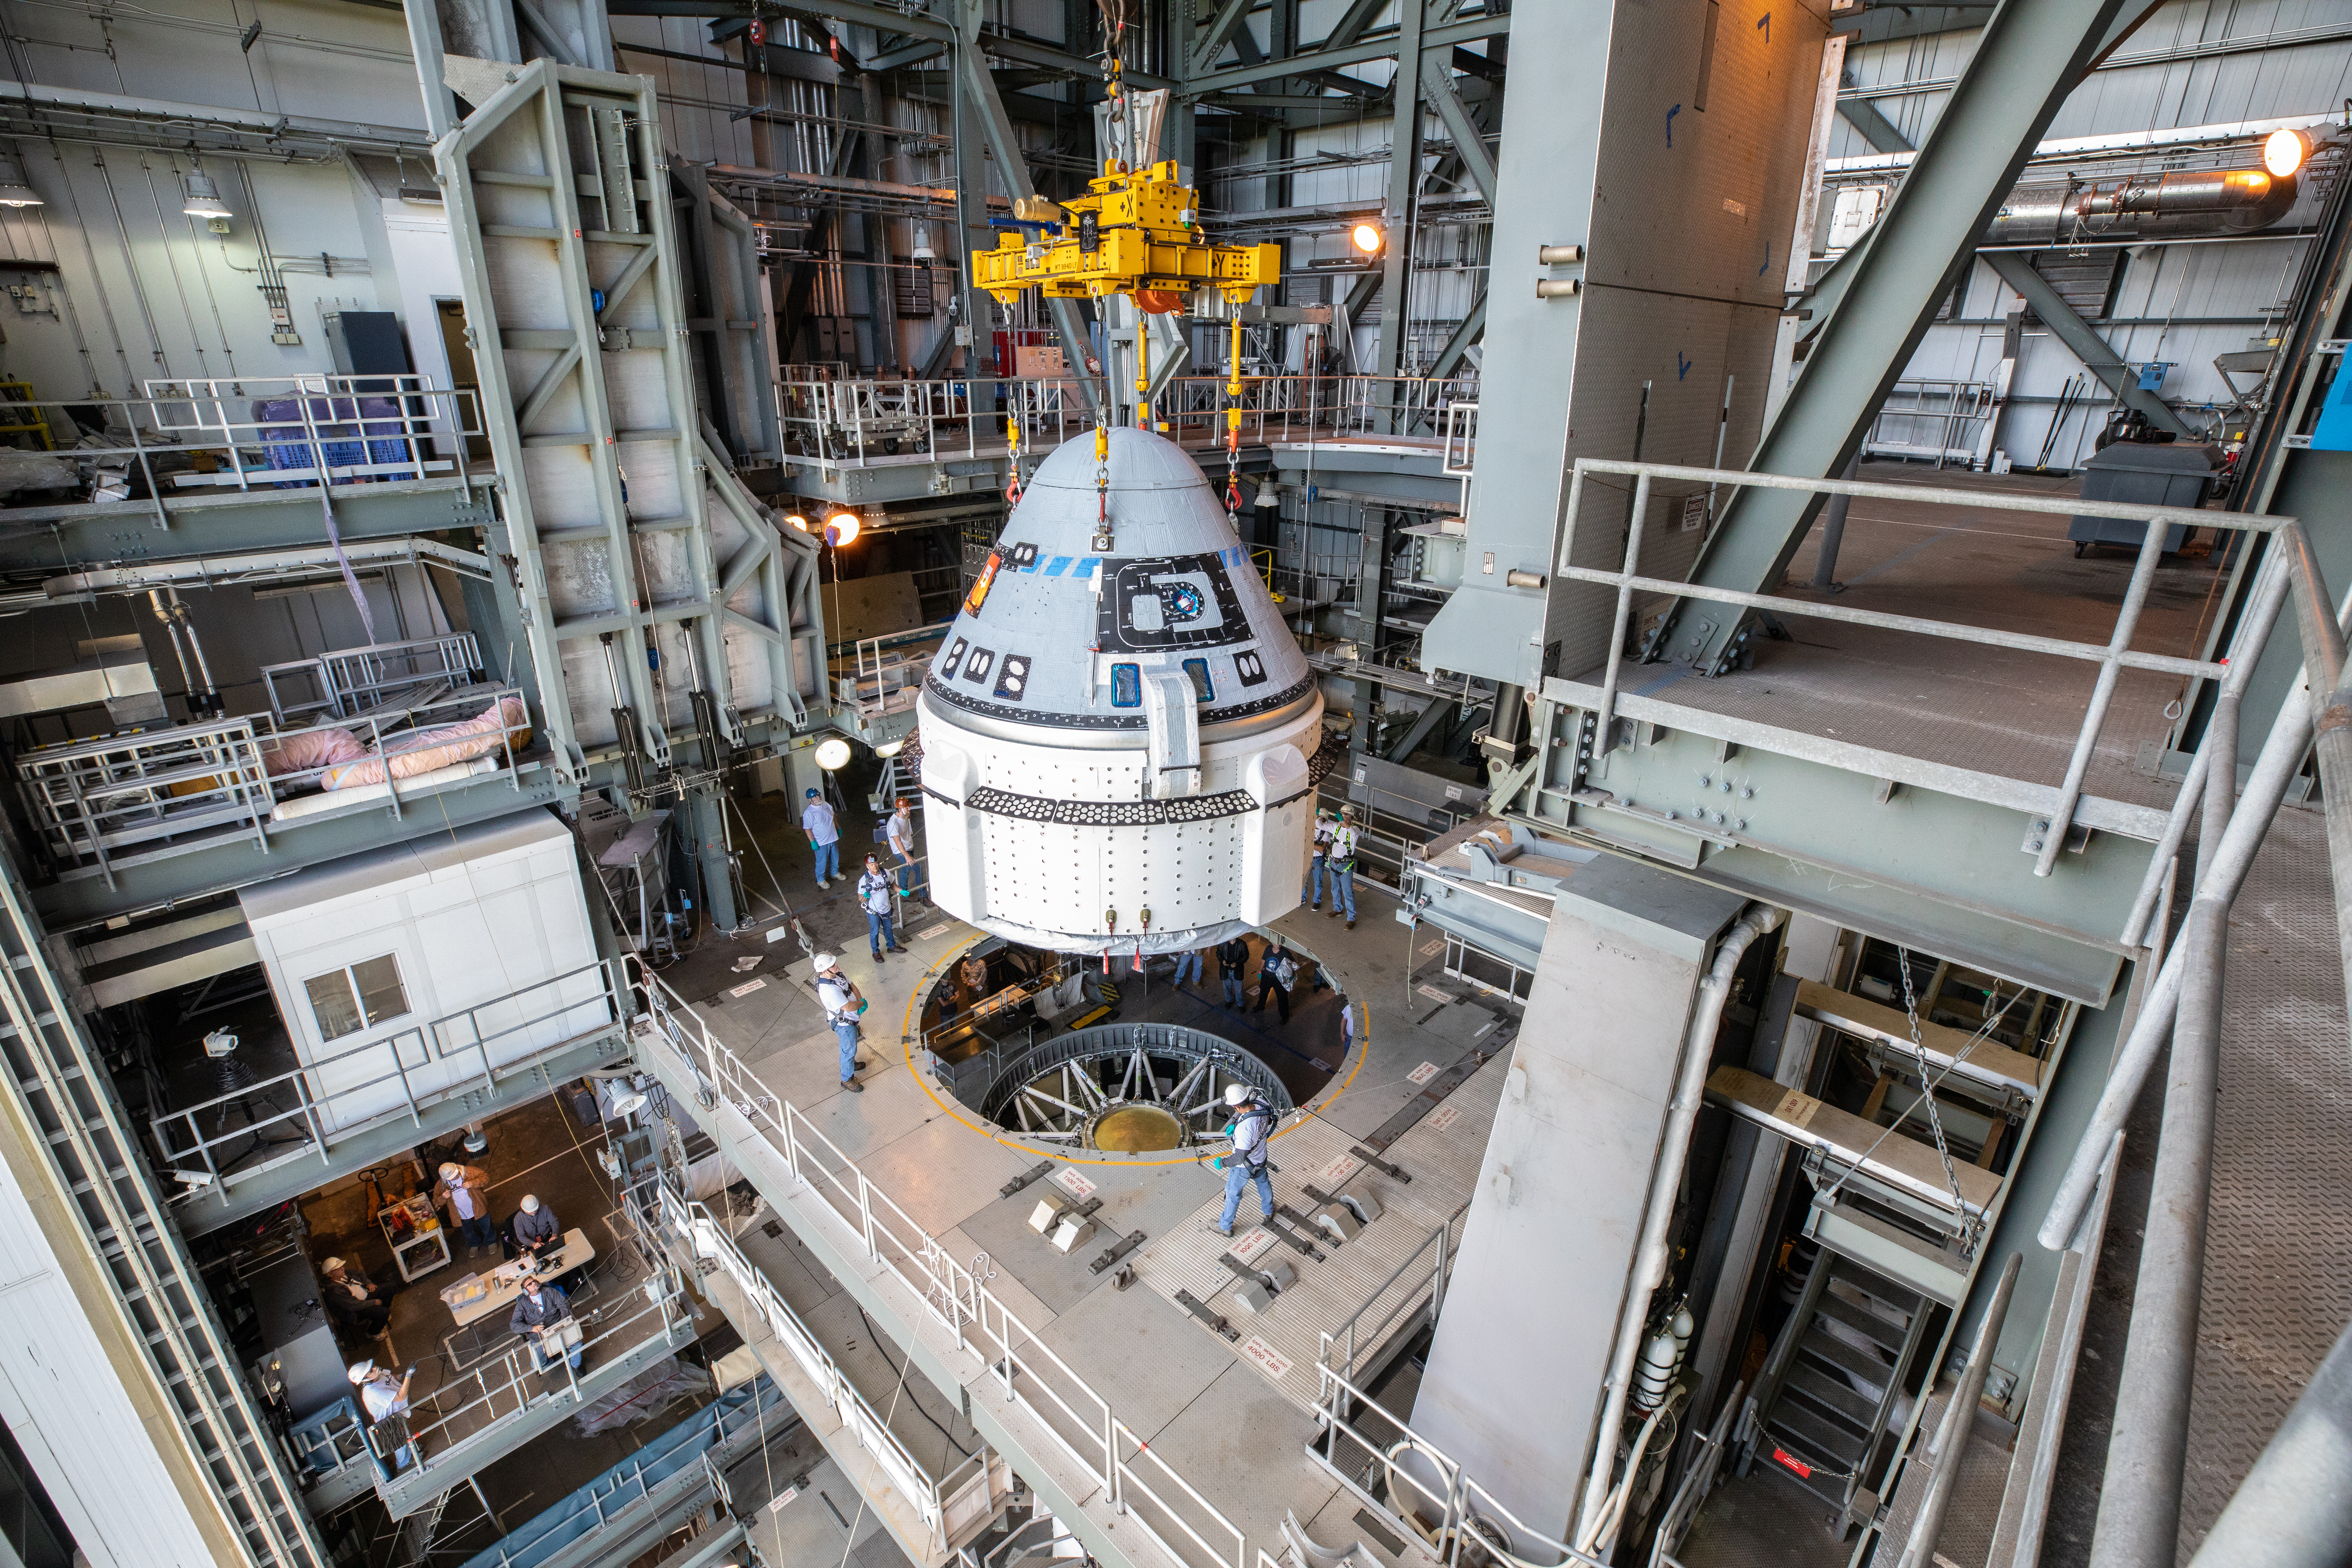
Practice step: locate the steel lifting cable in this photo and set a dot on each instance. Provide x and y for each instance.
(1928, 1088)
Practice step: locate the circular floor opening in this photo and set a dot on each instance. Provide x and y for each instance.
(1053, 1048)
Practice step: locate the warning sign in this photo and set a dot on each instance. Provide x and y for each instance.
(1432, 948)
(1782, 1456)
(1250, 1245)
(1422, 1073)
(1433, 993)
(748, 987)
(1340, 1169)
(1268, 1359)
(930, 931)
(1444, 1117)
(1076, 1186)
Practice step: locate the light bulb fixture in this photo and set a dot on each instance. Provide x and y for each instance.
(627, 1105)
(923, 251)
(832, 753)
(203, 197)
(13, 191)
(1268, 496)
(797, 520)
(1367, 238)
(2284, 151)
(842, 526)
(889, 749)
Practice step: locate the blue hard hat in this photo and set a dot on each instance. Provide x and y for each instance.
(811, 793)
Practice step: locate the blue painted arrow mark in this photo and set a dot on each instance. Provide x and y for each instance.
(1768, 260)
(1765, 22)
(1677, 108)
(1682, 366)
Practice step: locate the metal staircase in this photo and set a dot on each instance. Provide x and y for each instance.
(1822, 1404)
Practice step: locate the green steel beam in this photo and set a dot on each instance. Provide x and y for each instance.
(1472, 328)
(1404, 183)
(1437, 88)
(1384, 47)
(2026, 62)
(1875, 128)
(2016, 270)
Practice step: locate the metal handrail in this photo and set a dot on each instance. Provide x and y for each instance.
(2113, 656)
(431, 1039)
(693, 1222)
(1347, 1331)
(1026, 1372)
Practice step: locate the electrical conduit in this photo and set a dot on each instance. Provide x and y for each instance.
(1650, 1253)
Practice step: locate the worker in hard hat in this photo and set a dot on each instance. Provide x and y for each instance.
(1311, 894)
(536, 1229)
(838, 994)
(354, 1301)
(900, 831)
(463, 1193)
(1252, 1123)
(1341, 858)
(383, 1395)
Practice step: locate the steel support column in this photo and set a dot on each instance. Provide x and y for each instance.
(2027, 60)
(2017, 270)
(1404, 180)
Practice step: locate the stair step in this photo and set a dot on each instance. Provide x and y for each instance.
(1810, 1436)
(1863, 1320)
(1834, 1394)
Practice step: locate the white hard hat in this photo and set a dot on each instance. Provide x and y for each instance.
(451, 1173)
(826, 960)
(529, 1204)
(360, 1371)
(1237, 1094)
(329, 1266)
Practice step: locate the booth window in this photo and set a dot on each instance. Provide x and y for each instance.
(358, 996)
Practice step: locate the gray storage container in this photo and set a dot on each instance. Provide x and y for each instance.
(2173, 473)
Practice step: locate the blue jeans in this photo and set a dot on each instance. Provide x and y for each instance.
(1233, 987)
(1193, 961)
(1238, 1175)
(1343, 886)
(877, 931)
(478, 1231)
(541, 1361)
(1313, 891)
(828, 861)
(847, 1035)
(910, 878)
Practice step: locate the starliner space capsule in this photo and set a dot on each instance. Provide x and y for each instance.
(1117, 733)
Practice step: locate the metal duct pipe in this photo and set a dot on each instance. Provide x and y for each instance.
(180, 617)
(2162, 206)
(1650, 1252)
(172, 630)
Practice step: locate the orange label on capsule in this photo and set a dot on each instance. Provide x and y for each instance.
(979, 595)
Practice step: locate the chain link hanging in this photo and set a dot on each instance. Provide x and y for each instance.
(1927, 1093)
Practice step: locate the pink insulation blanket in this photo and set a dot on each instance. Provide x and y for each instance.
(426, 751)
(307, 749)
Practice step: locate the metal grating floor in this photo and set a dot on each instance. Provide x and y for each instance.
(2278, 1246)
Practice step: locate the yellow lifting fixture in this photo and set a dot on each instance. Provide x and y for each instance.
(1138, 233)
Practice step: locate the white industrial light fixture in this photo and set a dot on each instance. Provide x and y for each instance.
(204, 197)
(2284, 151)
(889, 749)
(1268, 495)
(13, 191)
(832, 753)
(797, 520)
(1367, 238)
(842, 526)
(923, 251)
(627, 1105)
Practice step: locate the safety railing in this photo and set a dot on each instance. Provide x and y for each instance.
(501, 1387)
(93, 800)
(2055, 809)
(1068, 1412)
(264, 433)
(864, 420)
(346, 681)
(1425, 1263)
(1944, 420)
(886, 670)
(693, 1224)
(1425, 1493)
(494, 1034)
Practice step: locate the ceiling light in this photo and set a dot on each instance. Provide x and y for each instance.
(832, 753)
(2284, 151)
(1367, 238)
(627, 1106)
(204, 197)
(13, 191)
(923, 251)
(889, 749)
(842, 526)
(797, 520)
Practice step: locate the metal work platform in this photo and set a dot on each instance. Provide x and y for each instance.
(1119, 1406)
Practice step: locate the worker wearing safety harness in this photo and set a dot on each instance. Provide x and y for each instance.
(1342, 858)
(1253, 1124)
(837, 994)
(1312, 893)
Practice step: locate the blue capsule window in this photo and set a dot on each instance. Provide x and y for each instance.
(1202, 686)
(1126, 686)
